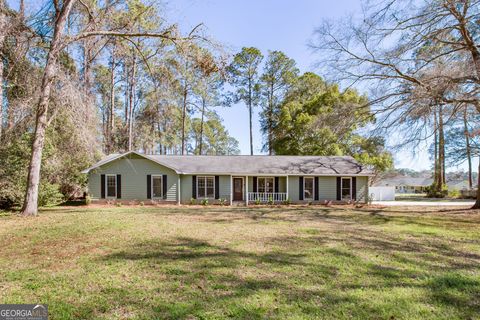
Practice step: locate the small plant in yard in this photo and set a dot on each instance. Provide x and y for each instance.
(193, 201)
(118, 204)
(88, 200)
(287, 201)
(454, 193)
(142, 203)
(257, 202)
(222, 201)
(270, 201)
(205, 202)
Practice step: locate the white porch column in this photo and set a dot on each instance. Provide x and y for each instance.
(288, 196)
(246, 190)
(231, 190)
(178, 187)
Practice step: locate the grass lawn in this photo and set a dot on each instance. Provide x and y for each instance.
(238, 263)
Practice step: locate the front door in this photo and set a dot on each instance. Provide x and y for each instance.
(237, 189)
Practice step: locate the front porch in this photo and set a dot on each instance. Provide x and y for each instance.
(258, 189)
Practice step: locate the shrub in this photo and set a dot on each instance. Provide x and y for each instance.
(287, 202)
(222, 201)
(49, 194)
(205, 202)
(193, 201)
(88, 200)
(454, 193)
(257, 202)
(118, 204)
(434, 192)
(142, 203)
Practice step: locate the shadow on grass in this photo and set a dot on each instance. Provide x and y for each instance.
(214, 276)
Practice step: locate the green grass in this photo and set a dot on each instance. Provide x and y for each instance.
(237, 263)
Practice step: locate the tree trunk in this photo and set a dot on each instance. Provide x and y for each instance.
(477, 202)
(131, 103)
(184, 116)
(441, 150)
(30, 205)
(468, 148)
(270, 121)
(250, 115)
(201, 127)
(111, 109)
(435, 164)
(1, 90)
(3, 26)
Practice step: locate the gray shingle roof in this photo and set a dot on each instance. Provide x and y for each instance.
(293, 165)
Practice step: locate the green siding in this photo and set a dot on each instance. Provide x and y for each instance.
(134, 171)
(186, 187)
(327, 188)
(293, 188)
(362, 188)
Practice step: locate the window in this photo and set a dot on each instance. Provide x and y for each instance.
(205, 187)
(157, 187)
(265, 185)
(111, 186)
(308, 185)
(346, 188)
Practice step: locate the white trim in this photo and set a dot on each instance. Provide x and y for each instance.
(243, 189)
(288, 196)
(106, 186)
(341, 187)
(246, 190)
(161, 186)
(278, 174)
(205, 197)
(178, 188)
(264, 177)
(231, 190)
(100, 163)
(313, 184)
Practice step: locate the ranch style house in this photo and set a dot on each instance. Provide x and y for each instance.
(133, 176)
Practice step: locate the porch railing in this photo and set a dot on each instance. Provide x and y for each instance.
(267, 197)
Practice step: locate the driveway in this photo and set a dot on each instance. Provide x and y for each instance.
(465, 203)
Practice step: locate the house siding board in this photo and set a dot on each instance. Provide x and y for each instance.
(327, 188)
(362, 189)
(134, 171)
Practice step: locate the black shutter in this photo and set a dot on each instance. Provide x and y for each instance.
(276, 184)
(194, 187)
(315, 188)
(254, 184)
(119, 186)
(339, 188)
(354, 188)
(149, 186)
(102, 186)
(164, 186)
(300, 188)
(217, 187)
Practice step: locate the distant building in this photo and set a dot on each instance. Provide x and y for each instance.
(404, 184)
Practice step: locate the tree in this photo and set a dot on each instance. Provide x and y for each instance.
(416, 57)
(279, 73)
(244, 76)
(217, 140)
(317, 118)
(57, 44)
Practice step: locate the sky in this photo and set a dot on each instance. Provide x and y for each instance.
(271, 25)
